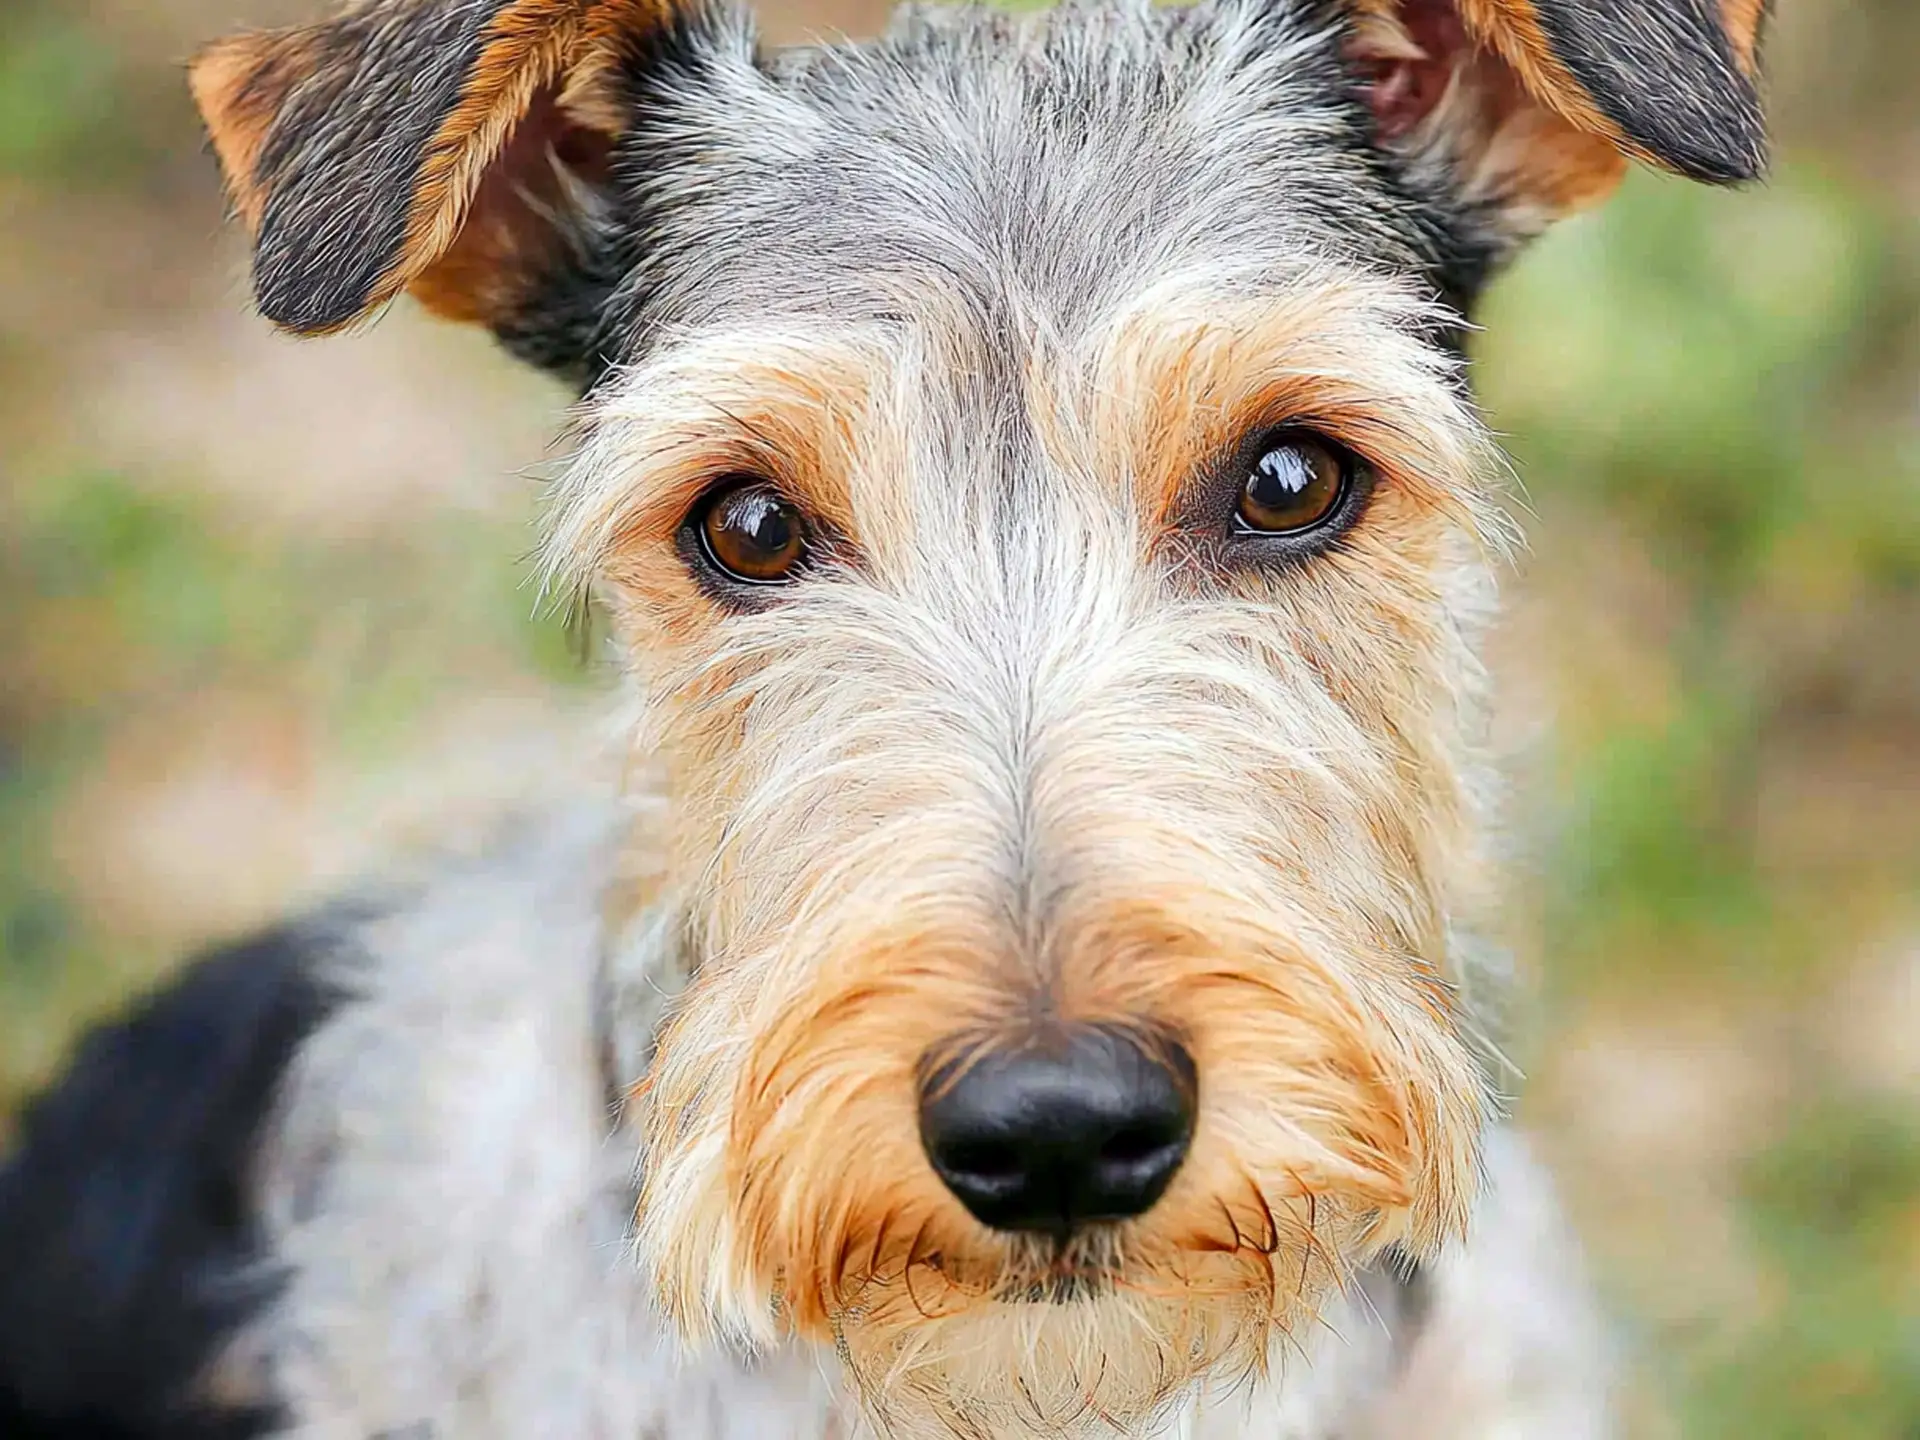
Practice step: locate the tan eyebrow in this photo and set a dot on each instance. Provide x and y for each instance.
(787, 407)
(1175, 381)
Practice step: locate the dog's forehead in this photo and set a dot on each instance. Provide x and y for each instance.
(1054, 164)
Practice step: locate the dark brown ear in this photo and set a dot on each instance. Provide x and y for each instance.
(423, 144)
(1538, 104)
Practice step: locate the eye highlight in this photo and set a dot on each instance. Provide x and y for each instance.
(1297, 483)
(749, 532)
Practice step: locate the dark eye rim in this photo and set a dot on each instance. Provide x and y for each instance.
(1220, 496)
(710, 572)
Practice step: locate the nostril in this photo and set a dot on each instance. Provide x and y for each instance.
(1134, 1166)
(1137, 1143)
(986, 1164)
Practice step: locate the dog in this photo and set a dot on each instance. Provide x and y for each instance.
(1019, 972)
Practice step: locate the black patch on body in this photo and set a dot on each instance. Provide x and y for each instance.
(128, 1251)
(1664, 72)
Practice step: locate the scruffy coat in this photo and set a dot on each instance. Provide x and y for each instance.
(605, 1128)
(424, 1233)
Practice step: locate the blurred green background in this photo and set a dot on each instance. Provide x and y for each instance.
(264, 607)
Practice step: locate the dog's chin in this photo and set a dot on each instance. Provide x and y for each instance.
(1070, 1287)
(1070, 1354)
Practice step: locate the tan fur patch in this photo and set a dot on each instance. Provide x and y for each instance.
(1562, 165)
(1523, 128)
(1745, 19)
(1512, 28)
(505, 240)
(532, 46)
(240, 84)
(541, 70)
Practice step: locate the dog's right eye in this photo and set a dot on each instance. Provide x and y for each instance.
(750, 533)
(1295, 486)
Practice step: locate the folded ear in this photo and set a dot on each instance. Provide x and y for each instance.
(450, 147)
(1535, 106)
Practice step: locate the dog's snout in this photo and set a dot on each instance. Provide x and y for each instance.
(1088, 1125)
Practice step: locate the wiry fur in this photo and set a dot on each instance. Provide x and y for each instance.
(614, 1133)
(450, 1189)
(1114, 778)
(1177, 825)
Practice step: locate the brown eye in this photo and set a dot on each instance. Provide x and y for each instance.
(1296, 484)
(750, 533)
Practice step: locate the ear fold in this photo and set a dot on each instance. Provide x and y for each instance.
(1537, 105)
(455, 147)
(437, 145)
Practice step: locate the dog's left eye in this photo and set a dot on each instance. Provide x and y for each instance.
(751, 533)
(1296, 484)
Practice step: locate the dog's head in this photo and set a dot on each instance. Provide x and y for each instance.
(1027, 463)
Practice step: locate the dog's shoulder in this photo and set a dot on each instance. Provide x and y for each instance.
(147, 1208)
(128, 1245)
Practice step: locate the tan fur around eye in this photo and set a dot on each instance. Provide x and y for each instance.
(794, 413)
(1173, 384)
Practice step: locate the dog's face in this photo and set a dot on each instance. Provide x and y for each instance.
(1027, 463)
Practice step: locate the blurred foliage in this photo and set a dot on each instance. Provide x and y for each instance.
(1728, 384)
(56, 92)
(137, 599)
(1837, 1352)
(1728, 380)
(1715, 401)
(72, 108)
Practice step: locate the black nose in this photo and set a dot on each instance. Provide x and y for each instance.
(1083, 1126)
